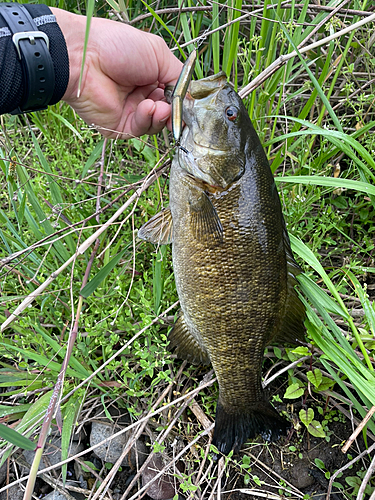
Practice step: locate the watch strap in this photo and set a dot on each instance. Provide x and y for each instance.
(32, 48)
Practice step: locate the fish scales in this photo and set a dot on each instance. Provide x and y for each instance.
(234, 292)
(232, 260)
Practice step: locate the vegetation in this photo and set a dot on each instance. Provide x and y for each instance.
(96, 294)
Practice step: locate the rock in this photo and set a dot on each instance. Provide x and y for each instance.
(111, 451)
(81, 475)
(57, 495)
(165, 487)
(13, 493)
(299, 474)
(52, 452)
(3, 473)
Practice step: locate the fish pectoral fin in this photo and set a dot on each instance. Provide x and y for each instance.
(206, 223)
(186, 344)
(159, 229)
(292, 328)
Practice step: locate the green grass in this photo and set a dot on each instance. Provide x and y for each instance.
(314, 116)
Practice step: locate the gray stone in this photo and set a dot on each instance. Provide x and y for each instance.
(57, 495)
(112, 450)
(52, 452)
(3, 473)
(14, 493)
(299, 474)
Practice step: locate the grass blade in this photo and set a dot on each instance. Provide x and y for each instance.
(16, 438)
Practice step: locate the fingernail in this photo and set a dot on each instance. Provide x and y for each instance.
(151, 112)
(163, 120)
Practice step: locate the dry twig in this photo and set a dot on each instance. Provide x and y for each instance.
(359, 428)
(193, 392)
(278, 63)
(80, 250)
(346, 466)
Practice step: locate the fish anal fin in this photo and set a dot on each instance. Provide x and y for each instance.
(186, 344)
(292, 329)
(232, 428)
(206, 223)
(159, 229)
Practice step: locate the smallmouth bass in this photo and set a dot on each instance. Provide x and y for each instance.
(233, 265)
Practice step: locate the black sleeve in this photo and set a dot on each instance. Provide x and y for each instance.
(11, 79)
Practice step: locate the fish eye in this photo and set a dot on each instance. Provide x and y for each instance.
(231, 113)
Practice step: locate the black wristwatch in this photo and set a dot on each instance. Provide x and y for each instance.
(32, 47)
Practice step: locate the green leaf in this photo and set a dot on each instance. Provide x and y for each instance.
(160, 20)
(92, 158)
(320, 296)
(11, 410)
(34, 413)
(326, 384)
(16, 438)
(73, 362)
(42, 218)
(306, 416)
(70, 414)
(257, 480)
(315, 429)
(319, 463)
(340, 202)
(315, 377)
(90, 464)
(366, 304)
(93, 284)
(43, 360)
(301, 351)
(67, 124)
(277, 352)
(315, 82)
(294, 391)
(318, 180)
(353, 481)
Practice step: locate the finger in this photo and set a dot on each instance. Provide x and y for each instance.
(149, 118)
(169, 66)
(157, 95)
(159, 114)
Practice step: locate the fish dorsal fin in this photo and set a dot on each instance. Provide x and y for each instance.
(206, 224)
(292, 329)
(188, 345)
(159, 229)
(293, 267)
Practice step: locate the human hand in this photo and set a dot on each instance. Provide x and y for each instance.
(124, 76)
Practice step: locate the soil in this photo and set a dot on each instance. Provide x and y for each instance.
(286, 469)
(279, 461)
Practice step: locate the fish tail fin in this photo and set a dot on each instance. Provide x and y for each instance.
(233, 429)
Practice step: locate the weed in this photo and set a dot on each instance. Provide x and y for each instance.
(313, 114)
